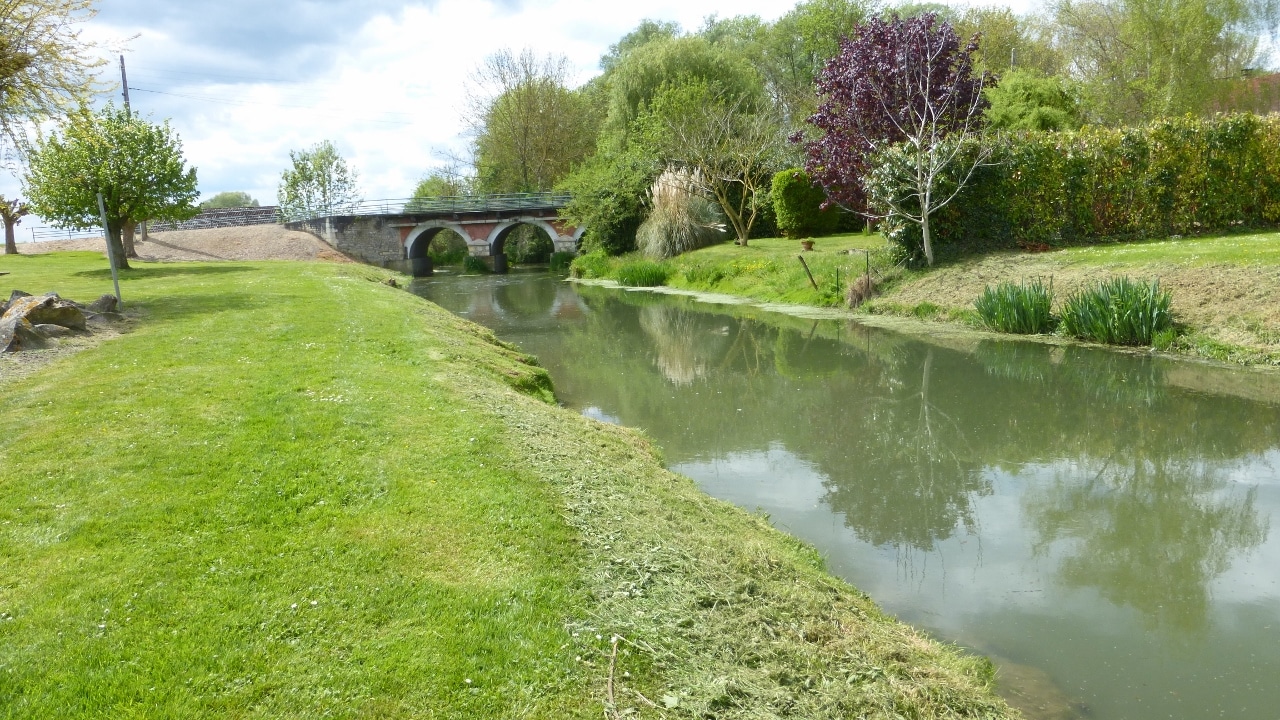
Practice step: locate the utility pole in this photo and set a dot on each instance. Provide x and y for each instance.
(124, 83)
(124, 89)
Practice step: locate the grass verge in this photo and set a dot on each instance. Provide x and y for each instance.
(293, 491)
(1225, 288)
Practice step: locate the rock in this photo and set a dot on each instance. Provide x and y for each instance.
(4, 306)
(104, 304)
(47, 310)
(18, 334)
(52, 331)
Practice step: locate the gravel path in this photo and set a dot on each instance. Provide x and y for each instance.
(253, 242)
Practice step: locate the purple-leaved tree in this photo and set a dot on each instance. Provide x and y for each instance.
(901, 94)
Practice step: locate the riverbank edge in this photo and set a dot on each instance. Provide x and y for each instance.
(696, 606)
(1259, 382)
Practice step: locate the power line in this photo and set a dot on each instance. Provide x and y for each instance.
(243, 103)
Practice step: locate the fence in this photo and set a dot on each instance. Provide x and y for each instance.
(220, 218)
(443, 205)
(46, 234)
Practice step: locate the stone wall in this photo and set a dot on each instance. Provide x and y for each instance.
(372, 240)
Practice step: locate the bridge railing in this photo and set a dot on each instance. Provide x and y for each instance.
(441, 204)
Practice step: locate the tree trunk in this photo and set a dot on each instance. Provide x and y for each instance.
(928, 246)
(117, 246)
(10, 242)
(127, 231)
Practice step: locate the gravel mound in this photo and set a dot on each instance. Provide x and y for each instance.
(253, 242)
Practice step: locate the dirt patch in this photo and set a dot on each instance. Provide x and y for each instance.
(17, 365)
(1235, 304)
(253, 242)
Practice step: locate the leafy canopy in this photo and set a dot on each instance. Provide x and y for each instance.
(318, 182)
(895, 81)
(231, 199)
(46, 67)
(137, 166)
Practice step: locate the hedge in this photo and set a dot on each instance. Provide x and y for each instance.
(1050, 189)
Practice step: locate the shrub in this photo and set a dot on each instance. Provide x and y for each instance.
(561, 260)
(595, 264)
(641, 273)
(447, 248)
(681, 219)
(1118, 311)
(1023, 309)
(472, 264)
(797, 205)
(705, 274)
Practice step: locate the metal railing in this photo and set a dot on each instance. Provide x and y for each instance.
(443, 204)
(45, 234)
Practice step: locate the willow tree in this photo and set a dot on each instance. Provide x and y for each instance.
(530, 127)
(136, 165)
(47, 69)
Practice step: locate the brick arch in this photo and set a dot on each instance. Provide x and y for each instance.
(429, 229)
(499, 232)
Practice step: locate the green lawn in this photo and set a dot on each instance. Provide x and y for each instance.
(1234, 249)
(291, 491)
(769, 269)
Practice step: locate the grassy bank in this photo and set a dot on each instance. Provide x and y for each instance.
(292, 491)
(1226, 288)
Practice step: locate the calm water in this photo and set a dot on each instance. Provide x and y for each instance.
(1106, 527)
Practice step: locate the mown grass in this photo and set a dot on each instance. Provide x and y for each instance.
(767, 269)
(293, 491)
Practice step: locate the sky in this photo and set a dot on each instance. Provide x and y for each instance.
(244, 82)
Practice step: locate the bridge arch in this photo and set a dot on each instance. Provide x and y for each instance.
(498, 236)
(419, 238)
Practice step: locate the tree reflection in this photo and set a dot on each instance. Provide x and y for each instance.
(1150, 534)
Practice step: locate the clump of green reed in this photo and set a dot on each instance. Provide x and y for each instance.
(1023, 309)
(595, 264)
(560, 260)
(1118, 311)
(642, 273)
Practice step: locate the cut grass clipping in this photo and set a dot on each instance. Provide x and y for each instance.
(642, 273)
(1118, 311)
(1022, 309)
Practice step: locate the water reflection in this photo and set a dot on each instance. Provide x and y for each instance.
(1095, 521)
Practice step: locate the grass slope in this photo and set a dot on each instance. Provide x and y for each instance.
(294, 492)
(1226, 288)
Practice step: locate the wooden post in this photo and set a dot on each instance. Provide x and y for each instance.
(812, 282)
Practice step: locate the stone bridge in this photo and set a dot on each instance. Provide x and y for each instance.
(397, 233)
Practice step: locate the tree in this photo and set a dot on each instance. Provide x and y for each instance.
(1027, 100)
(731, 146)
(1142, 59)
(445, 182)
(318, 182)
(901, 92)
(530, 128)
(136, 165)
(46, 67)
(231, 199)
(799, 45)
(12, 212)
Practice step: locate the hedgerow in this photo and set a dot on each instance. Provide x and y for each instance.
(1049, 189)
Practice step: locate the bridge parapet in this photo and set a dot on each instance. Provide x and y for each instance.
(440, 205)
(397, 233)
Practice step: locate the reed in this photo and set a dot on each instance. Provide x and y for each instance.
(642, 273)
(1118, 311)
(1022, 309)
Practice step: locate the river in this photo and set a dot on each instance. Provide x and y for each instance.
(1102, 525)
